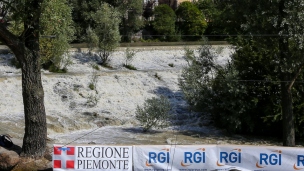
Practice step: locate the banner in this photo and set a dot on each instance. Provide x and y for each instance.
(220, 158)
(92, 158)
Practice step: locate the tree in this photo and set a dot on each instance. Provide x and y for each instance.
(211, 11)
(81, 14)
(26, 49)
(57, 31)
(154, 113)
(57, 25)
(208, 8)
(191, 21)
(271, 39)
(131, 12)
(164, 22)
(105, 35)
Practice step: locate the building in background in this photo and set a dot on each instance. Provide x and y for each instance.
(173, 3)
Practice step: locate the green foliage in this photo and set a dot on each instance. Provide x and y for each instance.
(56, 20)
(191, 21)
(129, 55)
(247, 95)
(131, 67)
(95, 67)
(131, 18)
(57, 32)
(277, 59)
(157, 76)
(154, 113)
(211, 88)
(93, 97)
(82, 18)
(212, 12)
(91, 86)
(53, 68)
(130, 13)
(209, 9)
(91, 39)
(171, 65)
(164, 22)
(104, 37)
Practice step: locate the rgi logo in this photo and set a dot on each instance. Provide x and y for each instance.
(160, 157)
(272, 159)
(235, 156)
(300, 163)
(194, 157)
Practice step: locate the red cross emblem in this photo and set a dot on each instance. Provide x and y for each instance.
(64, 157)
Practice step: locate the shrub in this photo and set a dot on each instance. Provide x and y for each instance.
(91, 86)
(157, 76)
(95, 66)
(131, 67)
(154, 113)
(129, 55)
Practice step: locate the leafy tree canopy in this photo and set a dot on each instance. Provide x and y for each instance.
(164, 22)
(191, 21)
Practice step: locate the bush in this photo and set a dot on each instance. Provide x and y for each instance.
(154, 113)
(157, 76)
(129, 56)
(131, 67)
(237, 106)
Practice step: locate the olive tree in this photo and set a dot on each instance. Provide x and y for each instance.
(27, 51)
(104, 37)
(56, 27)
(154, 113)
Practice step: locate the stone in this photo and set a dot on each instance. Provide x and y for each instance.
(8, 159)
(33, 164)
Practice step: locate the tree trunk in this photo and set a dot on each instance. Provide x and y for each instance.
(286, 80)
(287, 112)
(34, 140)
(26, 50)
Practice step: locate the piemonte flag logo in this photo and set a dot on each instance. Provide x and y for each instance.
(64, 157)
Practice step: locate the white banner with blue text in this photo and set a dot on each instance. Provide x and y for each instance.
(92, 158)
(216, 157)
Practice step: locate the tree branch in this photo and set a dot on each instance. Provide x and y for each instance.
(11, 40)
(296, 76)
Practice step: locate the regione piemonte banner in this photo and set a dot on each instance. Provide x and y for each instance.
(92, 158)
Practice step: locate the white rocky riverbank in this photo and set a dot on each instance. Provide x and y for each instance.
(71, 119)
